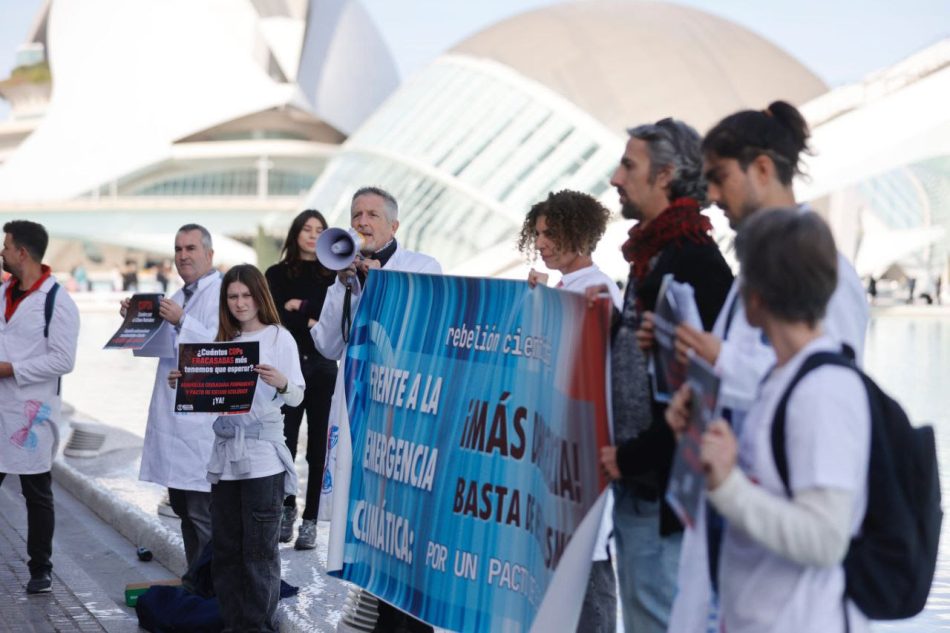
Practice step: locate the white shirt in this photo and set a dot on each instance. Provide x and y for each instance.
(828, 446)
(745, 355)
(264, 457)
(744, 358)
(580, 280)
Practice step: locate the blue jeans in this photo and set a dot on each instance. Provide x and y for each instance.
(647, 564)
(245, 525)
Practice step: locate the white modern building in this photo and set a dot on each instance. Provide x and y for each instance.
(132, 117)
(881, 166)
(539, 103)
(163, 112)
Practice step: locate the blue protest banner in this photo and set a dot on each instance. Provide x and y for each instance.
(476, 411)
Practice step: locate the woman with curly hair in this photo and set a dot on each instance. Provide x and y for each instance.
(564, 230)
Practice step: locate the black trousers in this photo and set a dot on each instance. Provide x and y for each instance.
(316, 404)
(40, 519)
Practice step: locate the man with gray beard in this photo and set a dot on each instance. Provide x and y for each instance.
(660, 184)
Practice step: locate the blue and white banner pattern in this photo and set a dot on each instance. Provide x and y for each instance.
(476, 412)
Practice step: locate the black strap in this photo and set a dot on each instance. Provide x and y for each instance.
(48, 307)
(346, 320)
(814, 361)
(48, 316)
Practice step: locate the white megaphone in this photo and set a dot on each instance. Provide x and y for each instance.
(337, 248)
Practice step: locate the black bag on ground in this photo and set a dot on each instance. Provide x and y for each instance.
(890, 565)
(189, 609)
(164, 609)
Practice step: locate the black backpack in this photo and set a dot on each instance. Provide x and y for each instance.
(890, 565)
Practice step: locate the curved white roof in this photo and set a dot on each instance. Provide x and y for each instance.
(131, 78)
(629, 62)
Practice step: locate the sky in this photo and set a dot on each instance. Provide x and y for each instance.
(839, 40)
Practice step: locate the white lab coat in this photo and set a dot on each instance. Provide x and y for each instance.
(329, 341)
(30, 405)
(178, 445)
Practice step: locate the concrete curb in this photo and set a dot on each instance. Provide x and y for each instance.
(129, 521)
(147, 531)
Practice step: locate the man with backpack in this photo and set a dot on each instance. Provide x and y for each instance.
(39, 329)
(750, 159)
(781, 557)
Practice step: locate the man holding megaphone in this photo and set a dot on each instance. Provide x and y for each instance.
(370, 245)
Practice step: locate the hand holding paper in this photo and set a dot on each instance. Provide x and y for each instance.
(719, 451)
(704, 344)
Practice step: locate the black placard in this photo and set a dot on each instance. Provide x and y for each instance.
(216, 377)
(140, 325)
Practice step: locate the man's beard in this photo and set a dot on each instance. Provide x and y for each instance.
(748, 208)
(631, 211)
(9, 269)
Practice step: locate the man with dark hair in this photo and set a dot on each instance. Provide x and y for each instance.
(374, 215)
(782, 553)
(660, 185)
(178, 446)
(750, 160)
(39, 329)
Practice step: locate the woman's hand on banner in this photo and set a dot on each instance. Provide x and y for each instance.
(124, 306)
(535, 278)
(173, 377)
(595, 292)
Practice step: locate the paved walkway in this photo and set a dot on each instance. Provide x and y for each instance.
(109, 486)
(92, 563)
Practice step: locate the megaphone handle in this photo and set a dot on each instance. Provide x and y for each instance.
(346, 319)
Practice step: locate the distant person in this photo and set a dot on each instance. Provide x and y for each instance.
(162, 272)
(781, 562)
(565, 229)
(911, 287)
(80, 277)
(250, 468)
(35, 355)
(750, 159)
(659, 180)
(374, 214)
(130, 276)
(299, 286)
(177, 446)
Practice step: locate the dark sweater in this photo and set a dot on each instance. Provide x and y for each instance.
(310, 286)
(650, 455)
